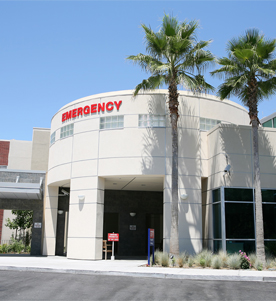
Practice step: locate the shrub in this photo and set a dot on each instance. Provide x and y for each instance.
(216, 262)
(191, 261)
(224, 257)
(181, 259)
(158, 257)
(253, 258)
(234, 261)
(5, 248)
(258, 265)
(27, 249)
(204, 258)
(202, 262)
(245, 260)
(165, 259)
(17, 246)
(269, 263)
(208, 259)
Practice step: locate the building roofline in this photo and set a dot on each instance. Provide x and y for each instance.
(155, 92)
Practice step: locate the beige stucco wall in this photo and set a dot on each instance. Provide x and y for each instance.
(235, 142)
(20, 155)
(83, 160)
(40, 149)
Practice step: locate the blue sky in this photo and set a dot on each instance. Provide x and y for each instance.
(53, 52)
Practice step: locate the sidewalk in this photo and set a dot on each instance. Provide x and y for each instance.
(130, 268)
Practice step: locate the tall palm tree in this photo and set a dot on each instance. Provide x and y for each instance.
(249, 72)
(173, 55)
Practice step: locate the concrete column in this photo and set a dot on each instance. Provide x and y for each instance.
(50, 220)
(86, 210)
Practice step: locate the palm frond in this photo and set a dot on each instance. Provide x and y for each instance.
(146, 62)
(151, 83)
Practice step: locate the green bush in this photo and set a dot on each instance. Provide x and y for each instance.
(224, 257)
(158, 257)
(181, 259)
(17, 246)
(191, 261)
(216, 262)
(5, 248)
(27, 249)
(258, 265)
(234, 261)
(204, 258)
(165, 259)
(253, 258)
(245, 260)
(202, 262)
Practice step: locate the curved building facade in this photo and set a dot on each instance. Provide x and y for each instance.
(110, 155)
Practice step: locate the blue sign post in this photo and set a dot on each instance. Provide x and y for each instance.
(150, 244)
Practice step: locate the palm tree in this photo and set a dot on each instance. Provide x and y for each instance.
(249, 73)
(173, 55)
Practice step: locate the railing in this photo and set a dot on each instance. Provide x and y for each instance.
(7, 242)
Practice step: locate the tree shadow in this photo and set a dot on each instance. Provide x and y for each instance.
(157, 157)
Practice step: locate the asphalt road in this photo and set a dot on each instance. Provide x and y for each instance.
(16, 285)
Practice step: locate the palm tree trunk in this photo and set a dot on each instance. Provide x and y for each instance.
(173, 106)
(260, 251)
(254, 120)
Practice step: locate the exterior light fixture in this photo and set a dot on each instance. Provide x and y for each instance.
(81, 198)
(132, 214)
(227, 169)
(184, 196)
(60, 211)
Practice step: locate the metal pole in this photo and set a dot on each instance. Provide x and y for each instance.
(112, 257)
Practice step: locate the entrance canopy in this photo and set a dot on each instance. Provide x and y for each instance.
(30, 191)
(137, 183)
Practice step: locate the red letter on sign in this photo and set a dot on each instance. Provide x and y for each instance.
(111, 106)
(86, 110)
(66, 116)
(74, 113)
(93, 108)
(118, 104)
(101, 107)
(79, 111)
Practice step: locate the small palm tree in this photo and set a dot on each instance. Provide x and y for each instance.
(249, 72)
(173, 55)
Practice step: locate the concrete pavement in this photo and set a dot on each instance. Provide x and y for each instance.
(131, 268)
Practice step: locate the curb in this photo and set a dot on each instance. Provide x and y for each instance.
(141, 274)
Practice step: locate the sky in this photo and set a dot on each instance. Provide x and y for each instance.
(54, 52)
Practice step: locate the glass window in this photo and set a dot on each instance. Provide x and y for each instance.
(269, 217)
(111, 122)
(67, 130)
(233, 246)
(274, 122)
(217, 246)
(151, 120)
(268, 196)
(267, 124)
(239, 220)
(53, 138)
(216, 195)
(217, 220)
(206, 124)
(238, 195)
(270, 248)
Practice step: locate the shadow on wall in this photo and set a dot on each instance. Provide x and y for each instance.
(156, 147)
(236, 142)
